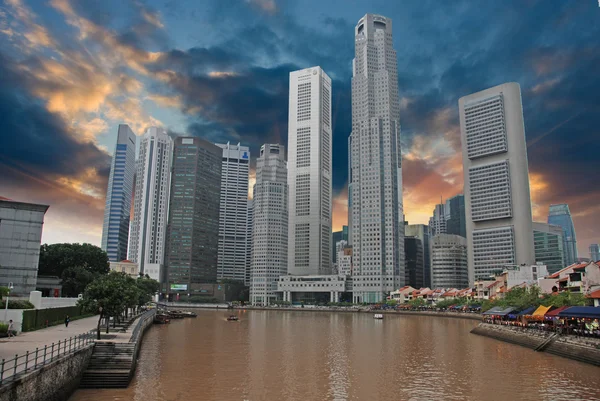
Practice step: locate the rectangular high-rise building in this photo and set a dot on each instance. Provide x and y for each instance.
(233, 223)
(115, 230)
(422, 232)
(496, 176)
(415, 267)
(270, 226)
(309, 172)
(548, 244)
(375, 176)
(454, 210)
(249, 225)
(594, 253)
(151, 202)
(437, 222)
(560, 215)
(193, 230)
(337, 236)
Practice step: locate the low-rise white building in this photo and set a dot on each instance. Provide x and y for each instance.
(301, 288)
(126, 266)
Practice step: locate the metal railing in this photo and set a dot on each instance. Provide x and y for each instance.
(11, 369)
(140, 323)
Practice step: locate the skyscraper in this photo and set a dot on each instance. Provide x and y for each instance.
(560, 215)
(249, 225)
(595, 252)
(270, 228)
(233, 220)
(454, 210)
(422, 232)
(497, 200)
(548, 244)
(193, 229)
(415, 267)
(375, 176)
(336, 237)
(115, 230)
(437, 222)
(309, 172)
(152, 187)
(449, 261)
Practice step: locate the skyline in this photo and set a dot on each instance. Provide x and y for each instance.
(77, 70)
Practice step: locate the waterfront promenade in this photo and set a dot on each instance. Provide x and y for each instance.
(28, 341)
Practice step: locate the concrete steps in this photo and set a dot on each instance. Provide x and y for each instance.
(111, 366)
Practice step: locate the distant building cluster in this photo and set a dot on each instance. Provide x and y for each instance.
(179, 212)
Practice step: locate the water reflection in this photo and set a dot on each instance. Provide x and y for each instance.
(272, 355)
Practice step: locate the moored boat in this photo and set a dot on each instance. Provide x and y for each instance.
(378, 316)
(232, 318)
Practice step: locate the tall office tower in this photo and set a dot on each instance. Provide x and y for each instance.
(437, 222)
(151, 203)
(422, 232)
(193, 229)
(270, 229)
(309, 172)
(377, 217)
(560, 215)
(234, 212)
(497, 201)
(337, 236)
(415, 265)
(454, 211)
(548, 244)
(449, 267)
(595, 252)
(119, 194)
(249, 224)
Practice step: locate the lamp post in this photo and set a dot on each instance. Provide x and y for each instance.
(10, 287)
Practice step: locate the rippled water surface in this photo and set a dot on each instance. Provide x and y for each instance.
(276, 355)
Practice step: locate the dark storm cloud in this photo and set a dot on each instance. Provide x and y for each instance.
(35, 139)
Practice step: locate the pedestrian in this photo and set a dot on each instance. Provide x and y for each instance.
(67, 320)
(10, 328)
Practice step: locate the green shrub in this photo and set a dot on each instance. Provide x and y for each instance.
(40, 318)
(3, 328)
(16, 304)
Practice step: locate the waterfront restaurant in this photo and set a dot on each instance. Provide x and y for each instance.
(582, 320)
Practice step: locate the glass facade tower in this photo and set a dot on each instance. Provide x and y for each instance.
(115, 230)
(560, 215)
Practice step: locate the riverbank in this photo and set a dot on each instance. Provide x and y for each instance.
(582, 349)
(458, 315)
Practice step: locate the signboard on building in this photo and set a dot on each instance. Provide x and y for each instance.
(179, 287)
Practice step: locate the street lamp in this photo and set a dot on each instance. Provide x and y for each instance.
(10, 287)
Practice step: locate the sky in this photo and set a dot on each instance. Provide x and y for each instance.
(72, 70)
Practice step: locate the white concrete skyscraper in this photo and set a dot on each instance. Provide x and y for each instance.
(151, 203)
(309, 172)
(270, 225)
(233, 218)
(375, 185)
(119, 194)
(496, 176)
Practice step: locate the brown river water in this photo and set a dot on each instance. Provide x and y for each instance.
(278, 355)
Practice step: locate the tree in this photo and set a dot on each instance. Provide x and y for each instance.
(148, 287)
(75, 279)
(417, 302)
(566, 298)
(56, 258)
(4, 291)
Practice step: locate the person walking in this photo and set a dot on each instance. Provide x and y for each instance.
(67, 320)
(10, 328)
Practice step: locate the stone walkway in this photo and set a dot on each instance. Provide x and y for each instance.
(30, 340)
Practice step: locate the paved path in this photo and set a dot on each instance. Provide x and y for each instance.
(30, 340)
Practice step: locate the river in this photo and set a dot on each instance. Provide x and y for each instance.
(278, 355)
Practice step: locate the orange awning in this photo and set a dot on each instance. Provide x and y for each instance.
(541, 310)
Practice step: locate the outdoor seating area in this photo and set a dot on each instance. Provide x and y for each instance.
(574, 320)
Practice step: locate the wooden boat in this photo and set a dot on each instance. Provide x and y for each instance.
(232, 318)
(378, 316)
(161, 319)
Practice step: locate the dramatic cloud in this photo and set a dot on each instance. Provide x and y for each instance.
(72, 70)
